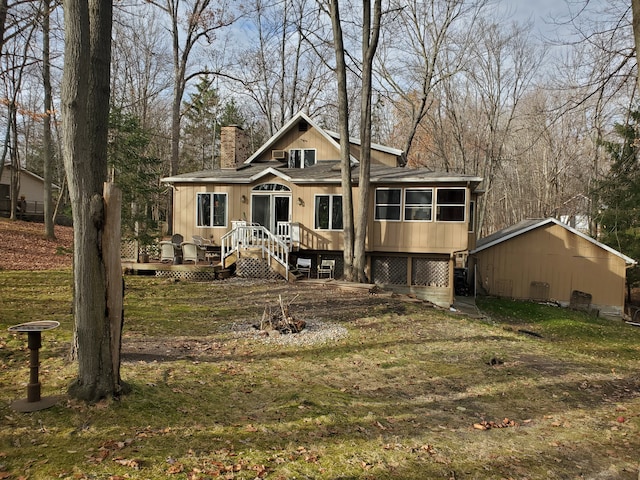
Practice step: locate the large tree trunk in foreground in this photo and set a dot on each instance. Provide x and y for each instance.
(85, 113)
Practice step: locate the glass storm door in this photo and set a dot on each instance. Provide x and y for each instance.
(268, 210)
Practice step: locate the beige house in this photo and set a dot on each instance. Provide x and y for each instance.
(31, 188)
(285, 200)
(546, 260)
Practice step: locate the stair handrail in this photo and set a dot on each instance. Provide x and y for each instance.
(252, 236)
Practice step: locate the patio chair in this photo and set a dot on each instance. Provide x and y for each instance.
(199, 240)
(192, 252)
(167, 251)
(304, 266)
(326, 267)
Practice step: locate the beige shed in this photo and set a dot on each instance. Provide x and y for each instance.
(546, 260)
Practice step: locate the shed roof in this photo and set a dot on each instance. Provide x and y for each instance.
(528, 225)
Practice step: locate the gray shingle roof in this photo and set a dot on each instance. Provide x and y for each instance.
(322, 172)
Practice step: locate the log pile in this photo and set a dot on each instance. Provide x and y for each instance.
(280, 319)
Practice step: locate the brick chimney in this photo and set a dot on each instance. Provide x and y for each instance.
(234, 146)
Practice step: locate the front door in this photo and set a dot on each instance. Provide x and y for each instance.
(269, 209)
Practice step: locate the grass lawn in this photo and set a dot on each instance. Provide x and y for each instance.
(409, 392)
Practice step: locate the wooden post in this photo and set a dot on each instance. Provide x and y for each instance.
(113, 271)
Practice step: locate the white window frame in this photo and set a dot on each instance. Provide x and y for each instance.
(438, 206)
(417, 205)
(376, 205)
(302, 154)
(212, 214)
(315, 212)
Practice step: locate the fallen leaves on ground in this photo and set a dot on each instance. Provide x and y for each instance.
(487, 425)
(24, 246)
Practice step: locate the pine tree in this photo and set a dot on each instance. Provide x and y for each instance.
(618, 194)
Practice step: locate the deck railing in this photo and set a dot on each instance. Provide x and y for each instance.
(255, 237)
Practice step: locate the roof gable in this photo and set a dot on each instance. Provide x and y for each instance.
(290, 125)
(529, 225)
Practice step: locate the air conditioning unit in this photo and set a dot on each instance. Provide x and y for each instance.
(278, 154)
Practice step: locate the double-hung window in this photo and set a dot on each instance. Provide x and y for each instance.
(211, 209)
(302, 157)
(328, 211)
(418, 204)
(450, 204)
(388, 203)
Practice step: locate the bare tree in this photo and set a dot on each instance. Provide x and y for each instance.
(369, 38)
(428, 42)
(140, 63)
(284, 70)
(345, 154)
(17, 60)
(47, 147)
(191, 22)
(635, 8)
(504, 67)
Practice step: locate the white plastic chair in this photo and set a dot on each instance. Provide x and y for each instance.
(192, 252)
(304, 266)
(326, 267)
(167, 251)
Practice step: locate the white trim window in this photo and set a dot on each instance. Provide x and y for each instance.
(302, 157)
(418, 204)
(388, 204)
(450, 204)
(328, 212)
(211, 209)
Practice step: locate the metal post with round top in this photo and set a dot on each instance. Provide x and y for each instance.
(34, 401)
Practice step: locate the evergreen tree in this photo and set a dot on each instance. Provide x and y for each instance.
(201, 127)
(618, 195)
(135, 173)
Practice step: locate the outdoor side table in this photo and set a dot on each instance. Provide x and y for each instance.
(34, 402)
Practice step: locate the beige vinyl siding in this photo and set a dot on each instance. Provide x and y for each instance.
(556, 256)
(417, 236)
(377, 156)
(383, 236)
(185, 215)
(311, 139)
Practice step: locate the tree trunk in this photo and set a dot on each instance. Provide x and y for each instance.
(46, 123)
(370, 36)
(85, 111)
(345, 154)
(635, 8)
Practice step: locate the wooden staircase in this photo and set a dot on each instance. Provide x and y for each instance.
(256, 241)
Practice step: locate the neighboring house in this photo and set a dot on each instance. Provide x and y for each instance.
(288, 196)
(575, 212)
(546, 260)
(31, 188)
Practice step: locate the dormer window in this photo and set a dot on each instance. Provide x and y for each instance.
(302, 157)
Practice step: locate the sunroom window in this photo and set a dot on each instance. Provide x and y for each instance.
(302, 157)
(388, 203)
(450, 204)
(211, 209)
(328, 212)
(418, 204)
